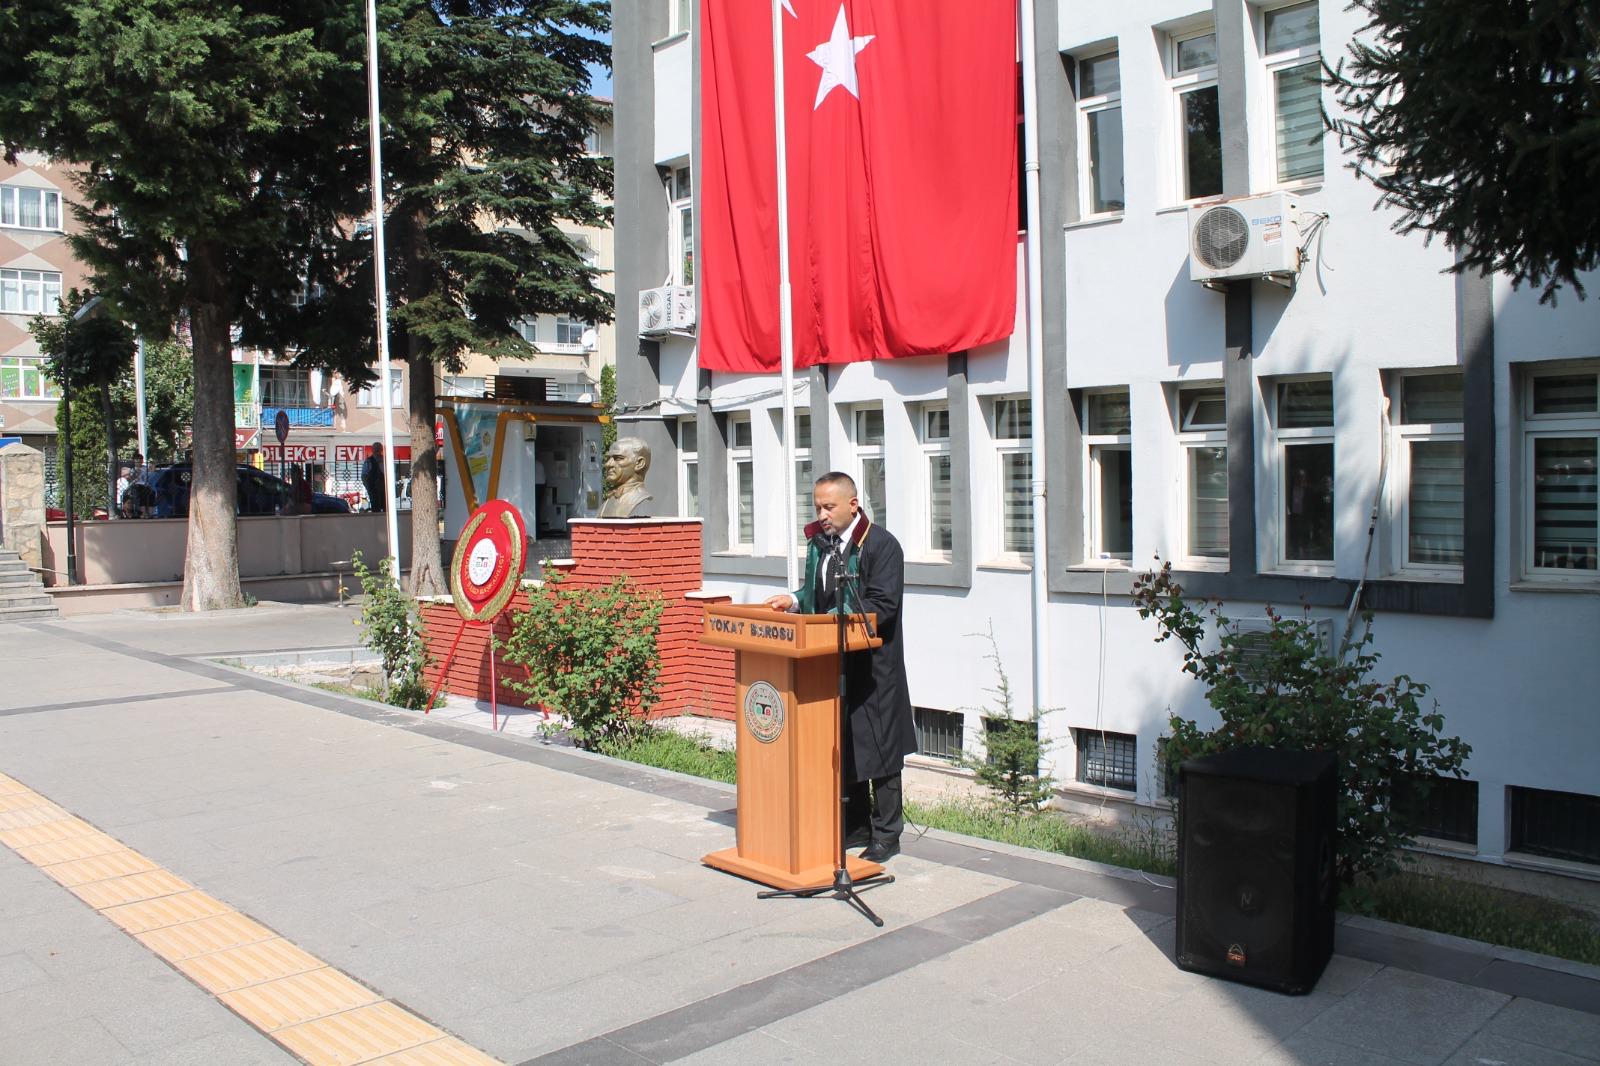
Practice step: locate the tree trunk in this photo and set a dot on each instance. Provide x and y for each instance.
(211, 568)
(427, 578)
(113, 506)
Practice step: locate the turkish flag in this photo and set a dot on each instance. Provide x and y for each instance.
(902, 167)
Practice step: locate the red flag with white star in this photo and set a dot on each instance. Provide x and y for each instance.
(902, 166)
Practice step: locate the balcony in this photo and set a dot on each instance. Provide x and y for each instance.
(308, 417)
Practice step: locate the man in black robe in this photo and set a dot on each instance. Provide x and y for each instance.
(853, 563)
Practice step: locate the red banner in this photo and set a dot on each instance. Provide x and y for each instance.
(902, 168)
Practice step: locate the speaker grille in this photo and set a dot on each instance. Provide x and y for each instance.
(1221, 237)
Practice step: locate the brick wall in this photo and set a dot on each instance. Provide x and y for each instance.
(658, 554)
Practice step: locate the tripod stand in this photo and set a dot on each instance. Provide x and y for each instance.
(844, 886)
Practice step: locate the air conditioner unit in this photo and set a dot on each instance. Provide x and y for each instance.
(1253, 638)
(663, 310)
(1250, 237)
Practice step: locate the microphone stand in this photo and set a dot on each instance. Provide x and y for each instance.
(844, 887)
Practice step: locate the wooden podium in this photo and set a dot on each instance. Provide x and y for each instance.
(788, 755)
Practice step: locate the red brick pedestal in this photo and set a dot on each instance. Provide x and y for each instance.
(659, 554)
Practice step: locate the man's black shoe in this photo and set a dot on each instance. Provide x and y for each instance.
(858, 838)
(882, 850)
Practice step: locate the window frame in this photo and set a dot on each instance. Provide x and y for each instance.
(48, 392)
(1192, 437)
(1093, 105)
(929, 448)
(1559, 426)
(689, 460)
(1179, 85)
(680, 207)
(1083, 757)
(1006, 448)
(862, 453)
(1096, 445)
(740, 454)
(1281, 440)
(1272, 64)
(13, 194)
(369, 397)
(286, 379)
(49, 292)
(805, 508)
(1398, 490)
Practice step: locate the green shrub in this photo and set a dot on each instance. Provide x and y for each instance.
(590, 655)
(1010, 764)
(1484, 912)
(667, 749)
(392, 627)
(1286, 691)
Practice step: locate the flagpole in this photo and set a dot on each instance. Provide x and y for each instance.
(785, 300)
(1038, 578)
(381, 296)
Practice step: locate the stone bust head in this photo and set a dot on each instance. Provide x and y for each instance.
(626, 463)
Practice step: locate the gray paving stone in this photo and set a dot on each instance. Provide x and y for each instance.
(1489, 1050)
(1302, 1050)
(84, 1042)
(1408, 1016)
(1344, 975)
(241, 1046)
(17, 970)
(1558, 1028)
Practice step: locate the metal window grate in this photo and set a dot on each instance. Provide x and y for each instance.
(1449, 810)
(1107, 759)
(1560, 825)
(938, 732)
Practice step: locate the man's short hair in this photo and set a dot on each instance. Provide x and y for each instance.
(838, 477)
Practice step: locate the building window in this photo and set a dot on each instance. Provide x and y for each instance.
(680, 186)
(22, 378)
(1561, 439)
(742, 481)
(1447, 809)
(1292, 53)
(933, 428)
(1108, 438)
(569, 331)
(1013, 443)
(528, 330)
(1429, 483)
(1192, 64)
(370, 396)
(689, 465)
(805, 508)
(30, 292)
(1303, 428)
(458, 385)
(682, 16)
(1202, 420)
(22, 208)
(871, 478)
(284, 386)
(1109, 760)
(1100, 130)
(938, 733)
(1559, 825)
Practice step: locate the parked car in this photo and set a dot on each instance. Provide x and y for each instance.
(259, 493)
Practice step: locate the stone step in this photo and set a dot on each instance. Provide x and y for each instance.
(27, 614)
(25, 598)
(22, 577)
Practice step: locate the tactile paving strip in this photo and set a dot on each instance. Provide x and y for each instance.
(318, 1013)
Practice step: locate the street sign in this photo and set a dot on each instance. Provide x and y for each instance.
(280, 425)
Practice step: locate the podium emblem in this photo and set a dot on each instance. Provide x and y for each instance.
(763, 712)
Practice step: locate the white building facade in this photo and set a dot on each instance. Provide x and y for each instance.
(1247, 430)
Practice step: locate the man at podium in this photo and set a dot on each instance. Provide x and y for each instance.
(857, 565)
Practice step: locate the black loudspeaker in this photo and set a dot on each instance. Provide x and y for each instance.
(1256, 884)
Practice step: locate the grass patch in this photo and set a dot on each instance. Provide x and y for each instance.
(366, 692)
(1048, 831)
(670, 750)
(1485, 912)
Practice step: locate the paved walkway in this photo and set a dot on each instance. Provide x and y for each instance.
(208, 866)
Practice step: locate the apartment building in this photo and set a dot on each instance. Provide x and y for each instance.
(1338, 414)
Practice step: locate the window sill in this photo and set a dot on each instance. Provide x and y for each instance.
(1093, 221)
(671, 38)
(1173, 209)
(1424, 577)
(1534, 584)
(1097, 566)
(1201, 565)
(1015, 566)
(1589, 871)
(1300, 571)
(735, 553)
(932, 559)
(1084, 790)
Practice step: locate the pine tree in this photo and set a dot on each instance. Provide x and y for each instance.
(486, 115)
(1481, 123)
(204, 135)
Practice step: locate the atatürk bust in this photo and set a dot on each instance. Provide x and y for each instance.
(625, 466)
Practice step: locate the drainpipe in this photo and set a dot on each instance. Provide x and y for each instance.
(1035, 310)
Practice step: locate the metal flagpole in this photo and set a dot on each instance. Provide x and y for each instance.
(138, 393)
(785, 302)
(382, 294)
